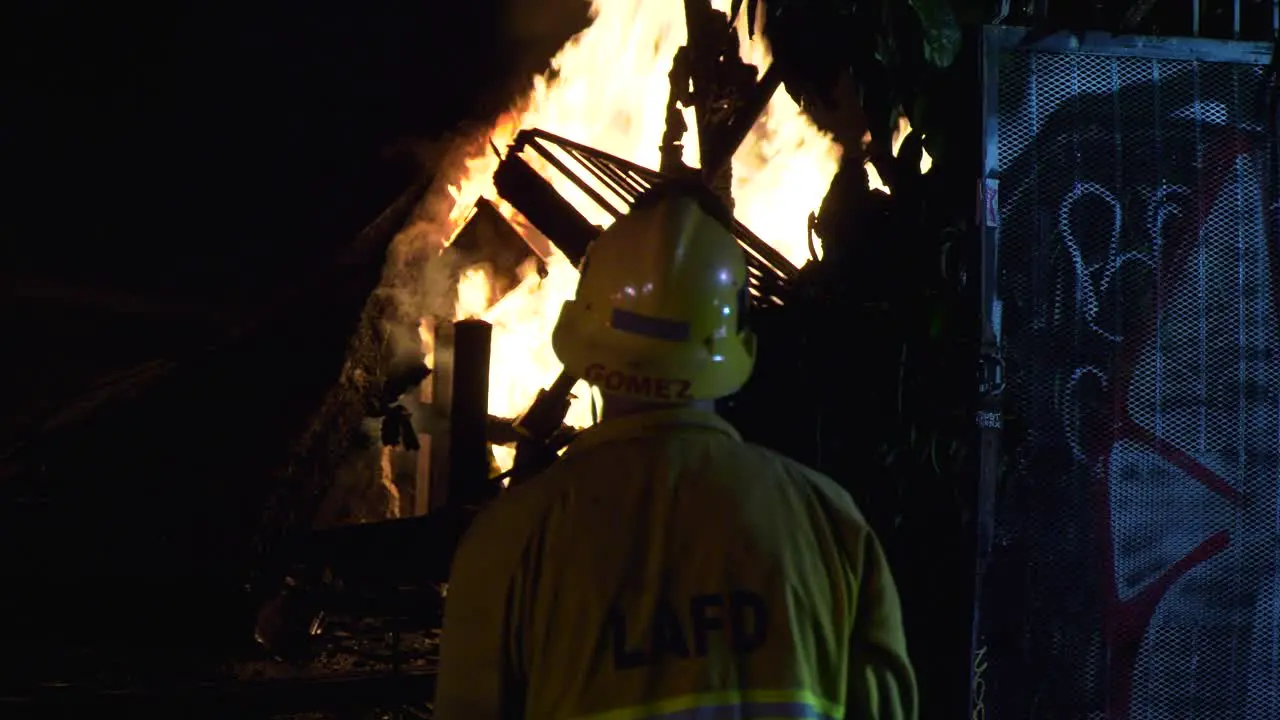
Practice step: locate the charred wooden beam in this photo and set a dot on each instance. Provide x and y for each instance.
(383, 569)
(550, 213)
(487, 238)
(503, 431)
(262, 698)
(469, 445)
(708, 31)
(460, 460)
(539, 425)
(725, 94)
(537, 136)
(405, 552)
(770, 270)
(725, 143)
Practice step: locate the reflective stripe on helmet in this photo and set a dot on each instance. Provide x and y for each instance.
(647, 326)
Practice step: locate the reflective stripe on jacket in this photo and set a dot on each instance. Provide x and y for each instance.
(663, 568)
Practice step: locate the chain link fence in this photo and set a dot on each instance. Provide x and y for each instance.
(1134, 571)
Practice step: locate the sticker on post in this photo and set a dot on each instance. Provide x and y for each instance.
(991, 202)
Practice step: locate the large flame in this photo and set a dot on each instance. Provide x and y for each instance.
(609, 90)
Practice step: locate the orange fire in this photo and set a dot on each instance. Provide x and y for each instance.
(610, 91)
(899, 136)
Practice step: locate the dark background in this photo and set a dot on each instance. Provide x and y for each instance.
(190, 163)
(184, 184)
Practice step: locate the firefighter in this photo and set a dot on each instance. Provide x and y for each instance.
(664, 568)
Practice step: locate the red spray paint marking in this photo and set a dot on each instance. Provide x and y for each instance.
(1127, 621)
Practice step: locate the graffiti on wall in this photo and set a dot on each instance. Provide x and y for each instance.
(1140, 285)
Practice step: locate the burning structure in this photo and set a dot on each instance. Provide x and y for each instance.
(452, 356)
(537, 185)
(482, 268)
(484, 265)
(497, 237)
(476, 276)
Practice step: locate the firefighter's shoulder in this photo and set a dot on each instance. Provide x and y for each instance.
(805, 478)
(505, 522)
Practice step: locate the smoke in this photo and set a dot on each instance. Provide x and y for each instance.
(421, 277)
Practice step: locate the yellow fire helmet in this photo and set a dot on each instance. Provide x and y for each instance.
(660, 305)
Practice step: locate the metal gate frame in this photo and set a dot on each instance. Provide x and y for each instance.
(997, 41)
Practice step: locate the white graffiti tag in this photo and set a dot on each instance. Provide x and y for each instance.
(1187, 412)
(1094, 276)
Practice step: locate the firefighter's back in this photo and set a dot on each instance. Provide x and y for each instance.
(664, 568)
(667, 568)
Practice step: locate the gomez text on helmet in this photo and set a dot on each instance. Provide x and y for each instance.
(640, 385)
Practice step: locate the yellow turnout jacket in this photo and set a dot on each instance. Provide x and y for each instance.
(665, 569)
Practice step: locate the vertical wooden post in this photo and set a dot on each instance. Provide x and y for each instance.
(426, 396)
(422, 488)
(469, 412)
(441, 406)
(457, 454)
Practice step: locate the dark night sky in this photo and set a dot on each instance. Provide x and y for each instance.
(171, 172)
(172, 168)
(168, 144)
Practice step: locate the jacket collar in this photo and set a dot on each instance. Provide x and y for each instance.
(651, 423)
